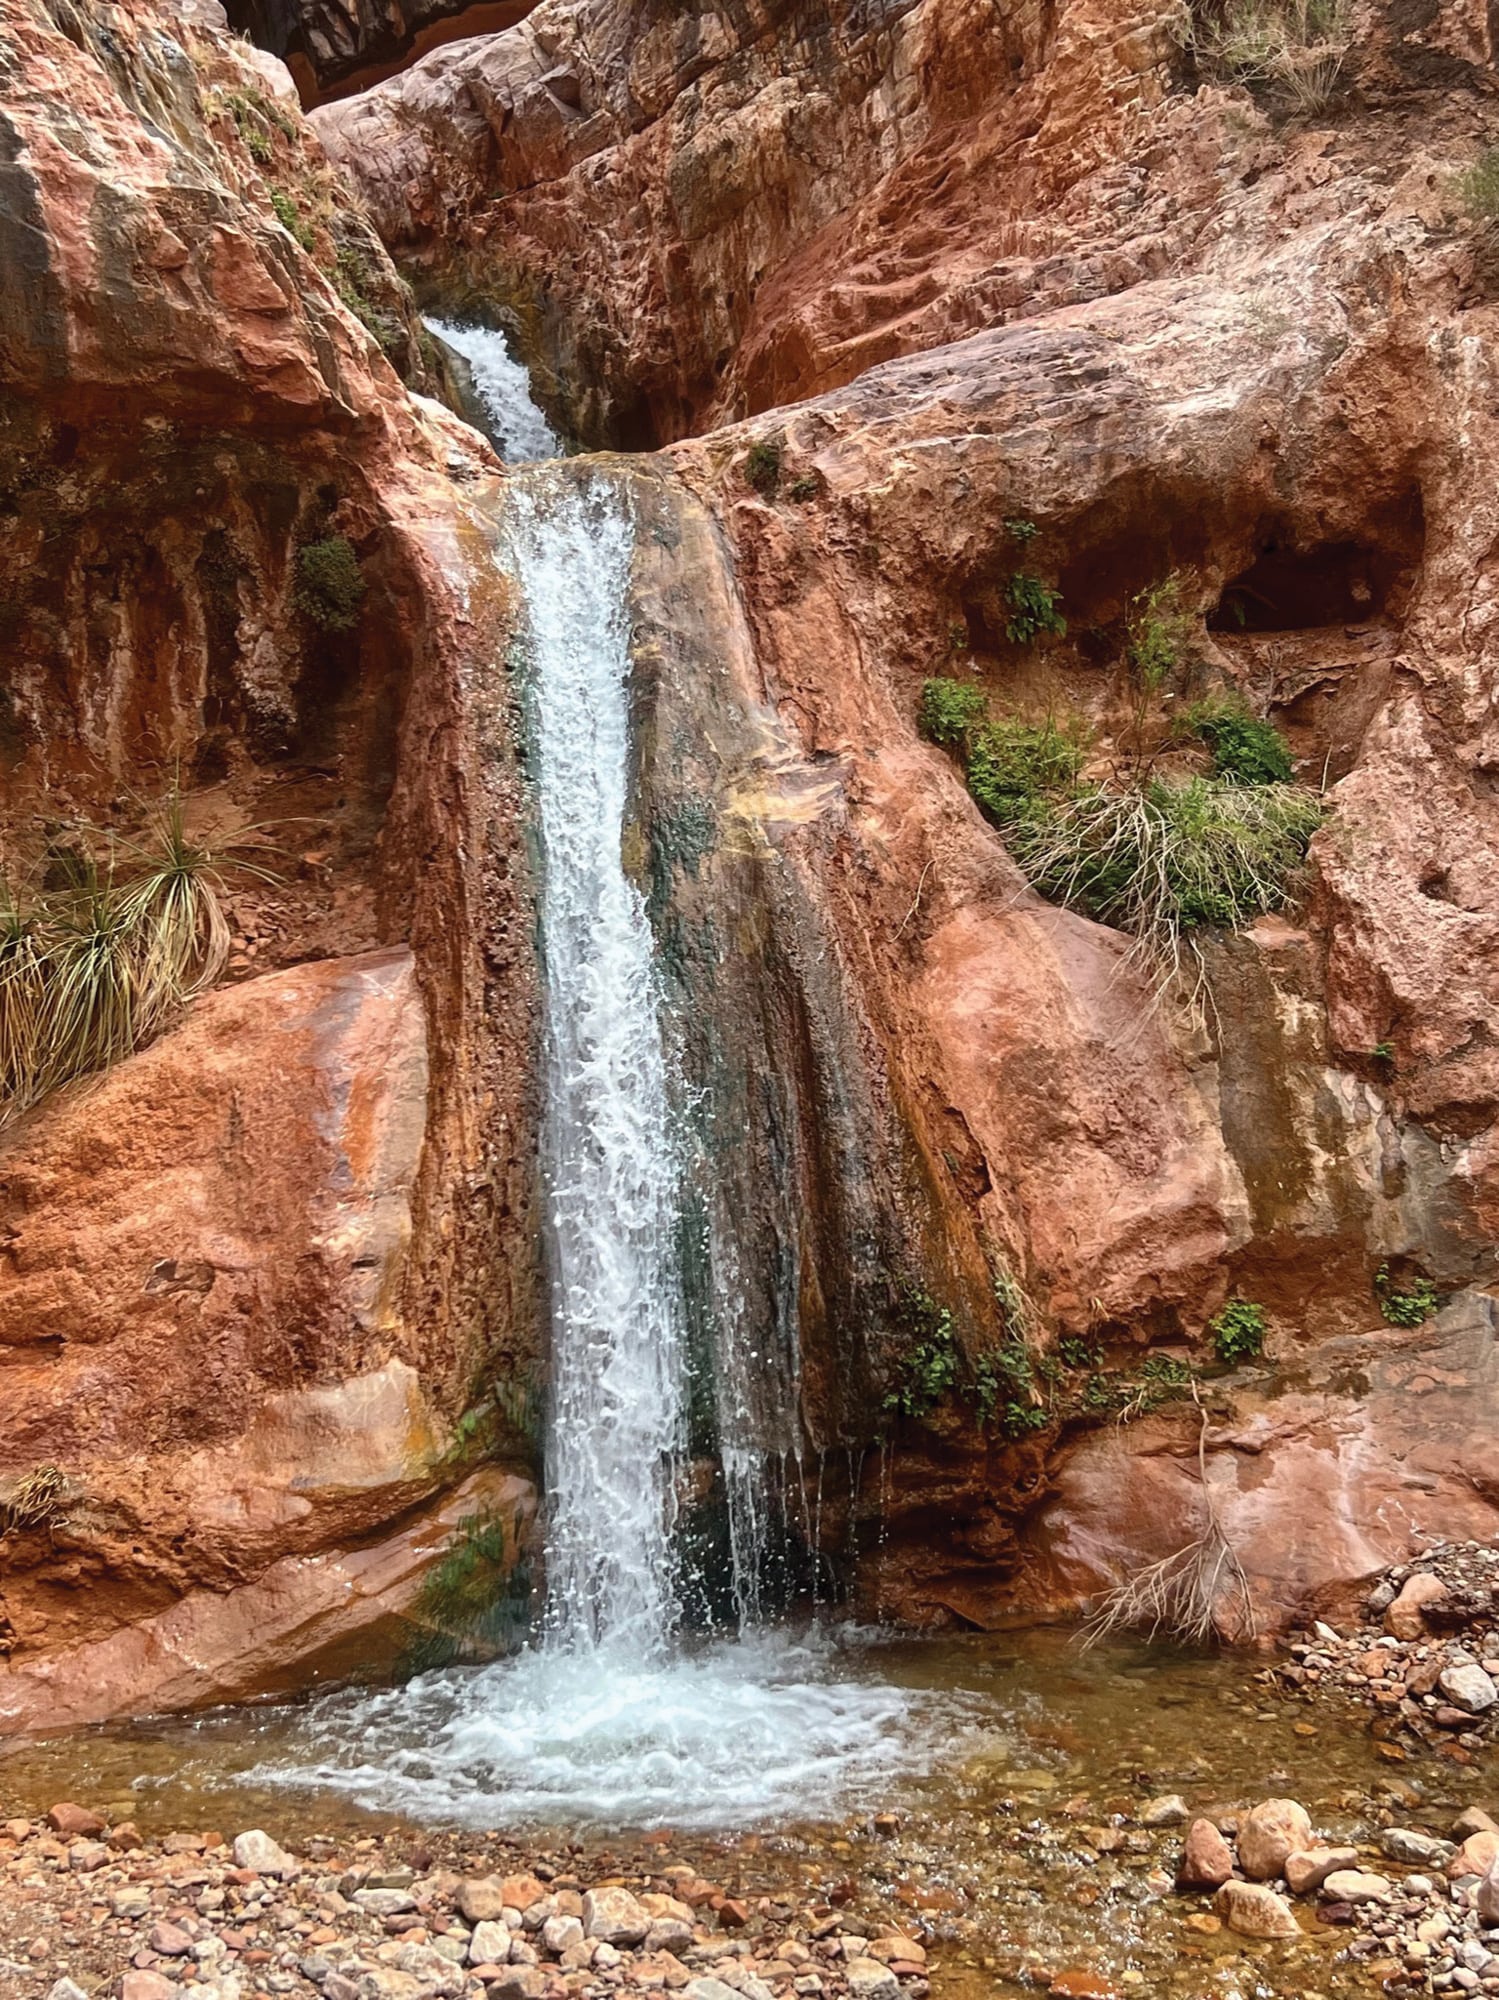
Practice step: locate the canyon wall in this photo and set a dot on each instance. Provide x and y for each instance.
(882, 282)
(252, 1278)
(950, 265)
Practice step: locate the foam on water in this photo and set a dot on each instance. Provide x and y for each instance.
(742, 1734)
(522, 434)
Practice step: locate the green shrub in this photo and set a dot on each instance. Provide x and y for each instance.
(762, 466)
(1021, 530)
(1033, 609)
(1013, 764)
(949, 709)
(930, 1367)
(330, 588)
(1245, 749)
(1159, 860)
(289, 217)
(1238, 1331)
(1158, 632)
(803, 488)
(1405, 1305)
(1478, 188)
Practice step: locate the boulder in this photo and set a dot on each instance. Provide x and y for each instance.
(613, 1916)
(1207, 1860)
(1403, 1619)
(481, 1899)
(257, 1851)
(1472, 1819)
(1415, 1850)
(75, 1822)
(521, 1892)
(1167, 1810)
(1356, 1885)
(1310, 1867)
(1270, 1833)
(1468, 1687)
(1255, 1911)
(1476, 1856)
(558, 1932)
(1486, 1895)
(868, 1979)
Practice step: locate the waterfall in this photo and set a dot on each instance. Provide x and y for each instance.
(615, 1717)
(616, 1426)
(520, 432)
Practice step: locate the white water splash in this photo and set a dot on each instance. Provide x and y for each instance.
(521, 433)
(740, 1735)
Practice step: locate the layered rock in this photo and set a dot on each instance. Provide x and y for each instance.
(248, 1287)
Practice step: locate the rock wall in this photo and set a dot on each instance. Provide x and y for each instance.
(271, 1240)
(1220, 340)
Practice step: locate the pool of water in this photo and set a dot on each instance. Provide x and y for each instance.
(986, 1787)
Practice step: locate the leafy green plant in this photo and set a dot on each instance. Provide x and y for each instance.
(803, 488)
(1033, 609)
(1021, 530)
(1077, 1353)
(931, 1366)
(1238, 1331)
(1478, 188)
(1382, 1052)
(949, 709)
(1405, 1305)
(330, 587)
(1012, 765)
(763, 463)
(289, 216)
(1246, 749)
(1158, 630)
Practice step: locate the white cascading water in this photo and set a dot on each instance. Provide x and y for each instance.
(521, 433)
(616, 1428)
(609, 1717)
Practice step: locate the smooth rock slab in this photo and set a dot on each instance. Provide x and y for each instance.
(1255, 1911)
(1309, 1868)
(708, 1989)
(1356, 1885)
(258, 1851)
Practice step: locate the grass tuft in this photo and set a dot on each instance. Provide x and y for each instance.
(91, 971)
(1296, 50)
(1246, 749)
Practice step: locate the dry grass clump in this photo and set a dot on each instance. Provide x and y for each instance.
(95, 968)
(1296, 49)
(1163, 861)
(1198, 1594)
(36, 1500)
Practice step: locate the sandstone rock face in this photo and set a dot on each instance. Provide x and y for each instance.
(348, 44)
(265, 1243)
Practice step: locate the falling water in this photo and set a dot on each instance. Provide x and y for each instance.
(521, 433)
(611, 1716)
(616, 1427)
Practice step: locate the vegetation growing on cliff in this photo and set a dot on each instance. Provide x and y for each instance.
(329, 588)
(1238, 1331)
(1295, 50)
(92, 969)
(1156, 858)
(1405, 1305)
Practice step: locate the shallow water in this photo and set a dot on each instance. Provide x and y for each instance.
(1004, 1759)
